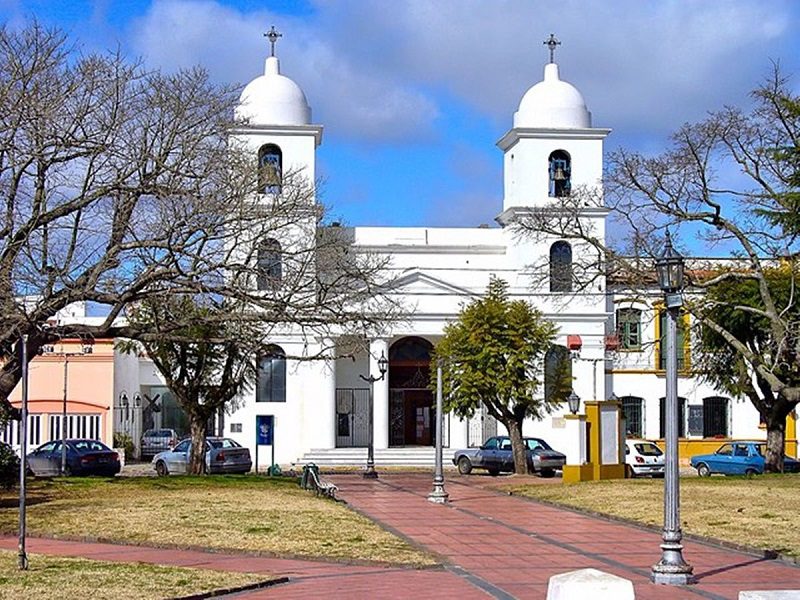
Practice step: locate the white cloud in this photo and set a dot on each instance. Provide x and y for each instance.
(353, 100)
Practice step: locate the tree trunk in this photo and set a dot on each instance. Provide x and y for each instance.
(197, 456)
(776, 436)
(518, 446)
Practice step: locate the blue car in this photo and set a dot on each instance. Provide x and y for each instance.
(84, 457)
(738, 458)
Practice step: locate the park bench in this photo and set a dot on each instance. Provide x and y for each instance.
(310, 480)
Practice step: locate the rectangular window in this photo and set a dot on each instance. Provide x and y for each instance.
(632, 409)
(78, 426)
(682, 342)
(715, 417)
(629, 328)
(681, 417)
(236, 428)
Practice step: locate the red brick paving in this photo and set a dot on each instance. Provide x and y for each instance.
(496, 546)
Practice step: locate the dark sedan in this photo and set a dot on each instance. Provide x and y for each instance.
(496, 455)
(84, 457)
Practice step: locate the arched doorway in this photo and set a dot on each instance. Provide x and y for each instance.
(411, 411)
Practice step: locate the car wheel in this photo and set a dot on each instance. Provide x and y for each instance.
(629, 474)
(464, 466)
(703, 470)
(547, 473)
(161, 469)
(67, 471)
(751, 472)
(494, 472)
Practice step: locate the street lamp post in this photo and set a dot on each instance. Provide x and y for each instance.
(383, 365)
(22, 556)
(672, 569)
(573, 402)
(439, 495)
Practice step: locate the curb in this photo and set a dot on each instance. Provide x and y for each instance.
(235, 590)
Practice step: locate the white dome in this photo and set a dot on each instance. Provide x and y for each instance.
(552, 104)
(273, 99)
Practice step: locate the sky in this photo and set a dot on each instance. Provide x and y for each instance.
(413, 95)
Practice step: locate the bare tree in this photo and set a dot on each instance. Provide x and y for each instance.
(121, 184)
(731, 181)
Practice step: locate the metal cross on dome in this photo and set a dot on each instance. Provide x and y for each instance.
(551, 45)
(272, 35)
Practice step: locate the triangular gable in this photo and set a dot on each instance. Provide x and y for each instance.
(418, 282)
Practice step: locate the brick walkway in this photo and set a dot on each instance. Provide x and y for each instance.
(494, 545)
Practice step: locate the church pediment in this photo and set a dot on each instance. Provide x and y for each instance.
(418, 282)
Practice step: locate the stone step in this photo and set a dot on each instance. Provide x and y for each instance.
(417, 457)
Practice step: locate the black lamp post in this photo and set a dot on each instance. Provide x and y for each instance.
(672, 569)
(573, 402)
(383, 365)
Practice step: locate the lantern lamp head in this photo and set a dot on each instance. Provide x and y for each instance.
(574, 402)
(669, 267)
(383, 364)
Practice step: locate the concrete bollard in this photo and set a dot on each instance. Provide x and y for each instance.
(770, 595)
(589, 583)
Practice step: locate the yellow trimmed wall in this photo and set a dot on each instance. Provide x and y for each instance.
(690, 447)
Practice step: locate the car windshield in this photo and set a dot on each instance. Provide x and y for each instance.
(648, 449)
(536, 443)
(223, 443)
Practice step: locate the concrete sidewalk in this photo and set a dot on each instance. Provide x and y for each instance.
(493, 546)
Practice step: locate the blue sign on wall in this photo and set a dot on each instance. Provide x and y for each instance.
(265, 425)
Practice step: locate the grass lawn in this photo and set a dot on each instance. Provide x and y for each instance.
(59, 577)
(259, 514)
(758, 512)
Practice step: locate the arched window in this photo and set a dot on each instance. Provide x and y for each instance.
(271, 378)
(557, 374)
(270, 169)
(632, 409)
(560, 169)
(561, 267)
(270, 270)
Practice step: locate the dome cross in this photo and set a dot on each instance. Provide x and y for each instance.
(551, 44)
(272, 35)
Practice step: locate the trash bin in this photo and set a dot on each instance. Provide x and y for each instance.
(307, 480)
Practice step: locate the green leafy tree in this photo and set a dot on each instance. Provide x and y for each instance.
(494, 355)
(206, 364)
(735, 306)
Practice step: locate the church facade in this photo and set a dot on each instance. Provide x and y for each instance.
(321, 408)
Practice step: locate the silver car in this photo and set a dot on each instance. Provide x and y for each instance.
(496, 455)
(223, 455)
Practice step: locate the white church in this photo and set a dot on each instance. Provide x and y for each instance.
(321, 407)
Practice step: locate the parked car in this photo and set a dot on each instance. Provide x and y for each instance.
(223, 455)
(738, 458)
(643, 458)
(84, 457)
(158, 440)
(496, 455)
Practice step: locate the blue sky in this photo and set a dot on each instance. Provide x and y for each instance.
(414, 94)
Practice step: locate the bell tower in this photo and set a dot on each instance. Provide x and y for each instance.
(552, 149)
(276, 126)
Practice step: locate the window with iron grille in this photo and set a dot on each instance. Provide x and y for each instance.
(681, 417)
(715, 416)
(632, 409)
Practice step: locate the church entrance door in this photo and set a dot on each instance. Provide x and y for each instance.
(411, 409)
